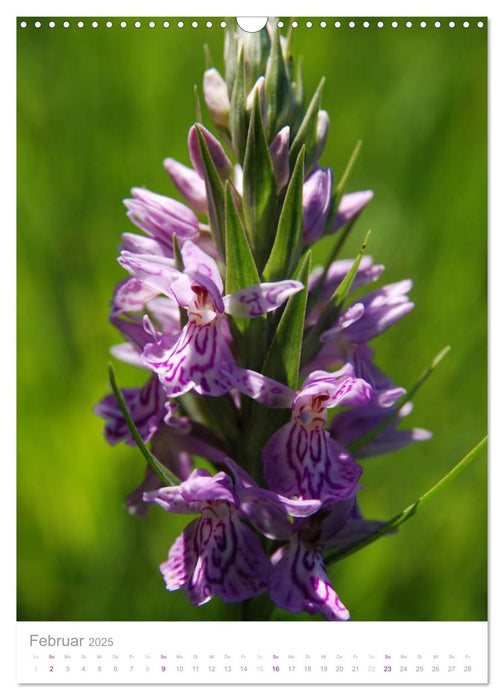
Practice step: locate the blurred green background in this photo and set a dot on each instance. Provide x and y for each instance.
(98, 110)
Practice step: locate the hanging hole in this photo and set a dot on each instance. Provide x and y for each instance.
(252, 24)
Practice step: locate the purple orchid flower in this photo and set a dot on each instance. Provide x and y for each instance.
(160, 217)
(352, 425)
(194, 360)
(217, 554)
(301, 459)
(300, 582)
(346, 341)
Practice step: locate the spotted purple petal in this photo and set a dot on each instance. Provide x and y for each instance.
(299, 583)
(267, 391)
(146, 407)
(193, 362)
(217, 555)
(307, 463)
(260, 298)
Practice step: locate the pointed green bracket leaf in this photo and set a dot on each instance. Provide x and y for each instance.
(166, 476)
(332, 310)
(209, 62)
(259, 186)
(276, 85)
(282, 360)
(408, 512)
(241, 270)
(288, 243)
(238, 114)
(179, 264)
(344, 178)
(282, 364)
(197, 105)
(215, 193)
(407, 397)
(307, 133)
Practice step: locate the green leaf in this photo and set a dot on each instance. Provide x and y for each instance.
(259, 186)
(307, 132)
(215, 193)
(258, 47)
(276, 85)
(241, 270)
(238, 114)
(332, 310)
(209, 62)
(407, 397)
(344, 178)
(166, 476)
(179, 264)
(282, 360)
(282, 364)
(197, 104)
(408, 512)
(288, 243)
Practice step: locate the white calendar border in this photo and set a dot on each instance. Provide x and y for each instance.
(283, 8)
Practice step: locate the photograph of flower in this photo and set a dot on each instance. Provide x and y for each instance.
(258, 360)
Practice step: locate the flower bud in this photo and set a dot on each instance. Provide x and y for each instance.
(190, 185)
(351, 204)
(259, 86)
(317, 191)
(216, 97)
(279, 152)
(217, 153)
(322, 132)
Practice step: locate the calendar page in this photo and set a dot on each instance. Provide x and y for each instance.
(252, 350)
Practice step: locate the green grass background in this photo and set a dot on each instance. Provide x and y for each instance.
(98, 110)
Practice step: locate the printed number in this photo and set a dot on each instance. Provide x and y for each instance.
(338, 669)
(451, 669)
(243, 668)
(180, 669)
(115, 669)
(292, 668)
(402, 669)
(211, 669)
(195, 669)
(67, 668)
(419, 669)
(355, 669)
(98, 669)
(467, 668)
(371, 669)
(101, 641)
(387, 669)
(83, 668)
(163, 668)
(131, 668)
(276, 669)
(51, 669)
(323, 669)
(435, 669)
(307, 669)
(227, 668)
